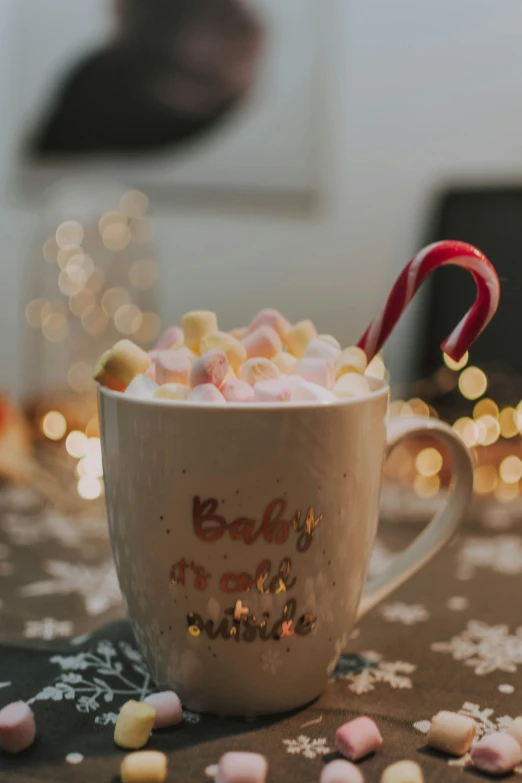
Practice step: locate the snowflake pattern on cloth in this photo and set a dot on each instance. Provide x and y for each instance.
(406, 614)
(270, 661)
(307, 747)
(48, 629)
(96, 584)
(486, 724)
(502, 554)
(485, 648)
(363, 672)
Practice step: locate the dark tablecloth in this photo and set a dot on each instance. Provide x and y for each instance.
(450, 639)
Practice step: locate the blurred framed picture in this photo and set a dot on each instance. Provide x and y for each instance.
(215, 97)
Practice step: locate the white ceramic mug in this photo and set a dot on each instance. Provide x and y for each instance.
(242, 537)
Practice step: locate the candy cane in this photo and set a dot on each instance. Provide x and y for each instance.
(412, 277)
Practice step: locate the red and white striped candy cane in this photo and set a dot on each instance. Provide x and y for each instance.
(412, 277)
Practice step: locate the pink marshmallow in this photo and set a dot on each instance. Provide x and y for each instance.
(242, 768)
(310, 392)
(170, 337)
(264, 342)
(237, 391)
(172, 367)
(271, 391)
(358, 738)
(212, 367)
(496, 753)
(340, 771)
(169, 711)
(321, 349)
(319, 371)
(272, 318)
(206, 392)
(17, 727)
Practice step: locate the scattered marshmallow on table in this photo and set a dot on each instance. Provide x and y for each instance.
(169, 711)
(259, 369)
(118, 366)
(358, 738)
(515, 730)
(212, 368)
(264, 342)
(141, 388)
(172, 391)
(221, 341)
(145, 766)
(340, 771)
(403, 772)
(451, 732)
(196, 325)
(242, 767)
(172, 367)
(322, 348)
(496, 753)
(351, 385)
(319, 371)
(236, 390)
(17, 727)
(299, 336)
(272, 318)
(271, 391)
(134, 725)
(206, 392)
(173, 336)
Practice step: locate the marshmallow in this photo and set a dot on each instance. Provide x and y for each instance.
(340, 771)
(212, 367)
(451, 733)
(299, 336)
(271, 391)
(328, 338)
(237, 391)
(170, 337)
(146, 766)
(358, 738)
(206, 392)
(351, 360)
(272, 318)
(264, 342)
(242, 768)
(221, 341)
(172, 391)
(309, 392)
(17, 727)
(351, 385)
(169, 711)
(117, 367)
(286, 363)
(141, 388)
(259, 369)
(173, 367)
(134, 725)
(240, 332)
(196, 325)
(496, 753)
(319, 348)
(403, 772)
(319, 371)
(515, 730)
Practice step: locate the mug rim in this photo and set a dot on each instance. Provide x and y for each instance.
(380, 389)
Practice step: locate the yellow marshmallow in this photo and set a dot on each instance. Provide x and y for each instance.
(172, 391)
(286, 363)
(351, 360)
(351, 385)
(299, 336)
(258, 369)
(222, 341)
(146, 766)
(451, 732)
(117, 367)
(134, 725)
(403, 772)
(196, 325)
(240, 332)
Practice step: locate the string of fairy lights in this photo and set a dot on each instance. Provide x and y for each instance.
(103, 310)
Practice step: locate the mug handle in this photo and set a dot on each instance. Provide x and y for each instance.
(444, 524)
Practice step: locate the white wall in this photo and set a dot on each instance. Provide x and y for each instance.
(417, 93)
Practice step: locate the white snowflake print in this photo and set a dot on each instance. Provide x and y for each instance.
(107, 674)
(307, 747)
(392, 673)
(47, 629)
(380, 559)
(485, 648)
(4, 684)
(407, 614)
(486, 724)
(270, 661)
(502, 554)
(97, 585)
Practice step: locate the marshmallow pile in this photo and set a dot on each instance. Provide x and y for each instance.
(270, 361)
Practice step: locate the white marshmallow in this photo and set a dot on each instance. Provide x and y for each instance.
(141, 388)
(310, 392)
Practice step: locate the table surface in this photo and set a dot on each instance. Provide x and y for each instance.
(447, 640)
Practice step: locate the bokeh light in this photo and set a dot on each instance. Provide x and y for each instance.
(453, 365)
(428, 462)
(90, 487)
(76, 444)
(511, 469)
(472, 383)
(54, 425)
(426, 486)
(485, 479)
